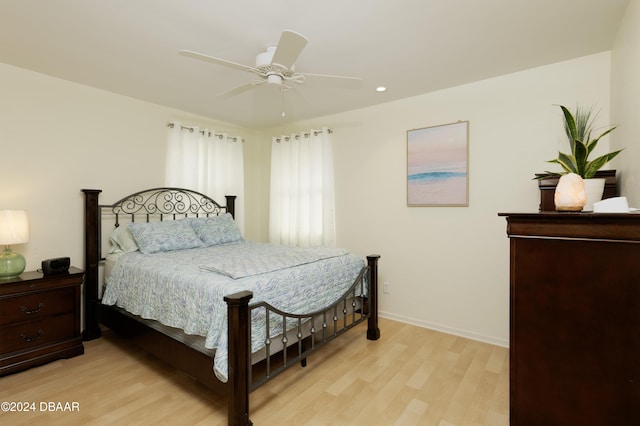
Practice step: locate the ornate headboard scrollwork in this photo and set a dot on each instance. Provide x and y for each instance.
(171, 202)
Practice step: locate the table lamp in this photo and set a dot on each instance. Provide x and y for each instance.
(570, 194)
(14, 229)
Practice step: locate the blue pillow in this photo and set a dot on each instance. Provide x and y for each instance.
(154, 237)
(216, 230)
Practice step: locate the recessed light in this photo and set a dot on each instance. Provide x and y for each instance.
(380, 89)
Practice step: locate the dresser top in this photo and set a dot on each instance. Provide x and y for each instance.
(608, 226)
(570, 214)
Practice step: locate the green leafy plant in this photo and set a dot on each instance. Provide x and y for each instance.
(578, 128)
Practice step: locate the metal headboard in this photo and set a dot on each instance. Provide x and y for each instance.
(159, 203)
(167, 203)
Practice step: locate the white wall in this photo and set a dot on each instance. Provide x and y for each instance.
(448, 266)
(57, 137)
(625, 102)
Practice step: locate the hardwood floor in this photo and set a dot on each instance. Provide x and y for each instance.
(411, 376)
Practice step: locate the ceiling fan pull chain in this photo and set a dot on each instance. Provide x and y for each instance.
(283, 114)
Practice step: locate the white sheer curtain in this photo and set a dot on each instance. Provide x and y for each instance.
(302, 190)
(208, 162)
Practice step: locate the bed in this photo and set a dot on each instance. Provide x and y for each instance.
(231, 313)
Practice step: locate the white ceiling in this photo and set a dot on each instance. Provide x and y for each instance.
(412, 47)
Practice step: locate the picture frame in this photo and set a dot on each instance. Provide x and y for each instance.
(438, 165)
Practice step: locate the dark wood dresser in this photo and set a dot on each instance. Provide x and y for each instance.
(575, 318)
(39, 319)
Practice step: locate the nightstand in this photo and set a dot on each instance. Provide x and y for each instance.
(39, 319)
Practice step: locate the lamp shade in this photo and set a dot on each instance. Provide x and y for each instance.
(14, 227)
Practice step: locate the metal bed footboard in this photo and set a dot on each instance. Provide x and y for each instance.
(245, 377)
(306, 333)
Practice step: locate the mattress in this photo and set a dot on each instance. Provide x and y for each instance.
(185, 288)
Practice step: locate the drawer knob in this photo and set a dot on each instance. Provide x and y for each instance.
(32, 311)
(32, 338)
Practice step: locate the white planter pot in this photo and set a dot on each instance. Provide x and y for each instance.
(594, 189)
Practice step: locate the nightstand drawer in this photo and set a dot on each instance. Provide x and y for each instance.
(39, 319)
(36, 333)
(36, 305)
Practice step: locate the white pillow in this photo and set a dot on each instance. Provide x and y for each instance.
(122, 241)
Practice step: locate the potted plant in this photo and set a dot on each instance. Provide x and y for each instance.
(578, 127)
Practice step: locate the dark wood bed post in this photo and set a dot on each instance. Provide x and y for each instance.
(373, 331)
(231, 204)
(91, 261)
(239, 357)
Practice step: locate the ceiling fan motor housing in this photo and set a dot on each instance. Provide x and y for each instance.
(274, 73)
(264, 59)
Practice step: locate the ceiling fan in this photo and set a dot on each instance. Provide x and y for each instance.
(276, 66)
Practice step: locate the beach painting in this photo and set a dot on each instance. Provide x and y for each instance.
(437, 165)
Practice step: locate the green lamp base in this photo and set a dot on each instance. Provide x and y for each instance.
(11, 264)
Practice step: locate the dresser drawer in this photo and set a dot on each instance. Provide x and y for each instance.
(35, 333)
(33, 306)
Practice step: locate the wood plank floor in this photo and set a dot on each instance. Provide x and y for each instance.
(411, 376)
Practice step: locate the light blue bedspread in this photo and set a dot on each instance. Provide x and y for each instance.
(180, 289)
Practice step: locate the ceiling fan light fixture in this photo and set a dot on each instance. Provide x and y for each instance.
(274, 79)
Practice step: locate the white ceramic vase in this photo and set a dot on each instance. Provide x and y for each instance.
(593, 188)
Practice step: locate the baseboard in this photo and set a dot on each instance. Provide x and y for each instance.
(445, 329)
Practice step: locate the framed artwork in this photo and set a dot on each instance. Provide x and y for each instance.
(438, 165)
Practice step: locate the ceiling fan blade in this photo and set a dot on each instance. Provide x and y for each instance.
(218, 61)
(289, 48)
(337, 81)
(241, 89)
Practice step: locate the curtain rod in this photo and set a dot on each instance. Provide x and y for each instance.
(305, 134)
(218, 135)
